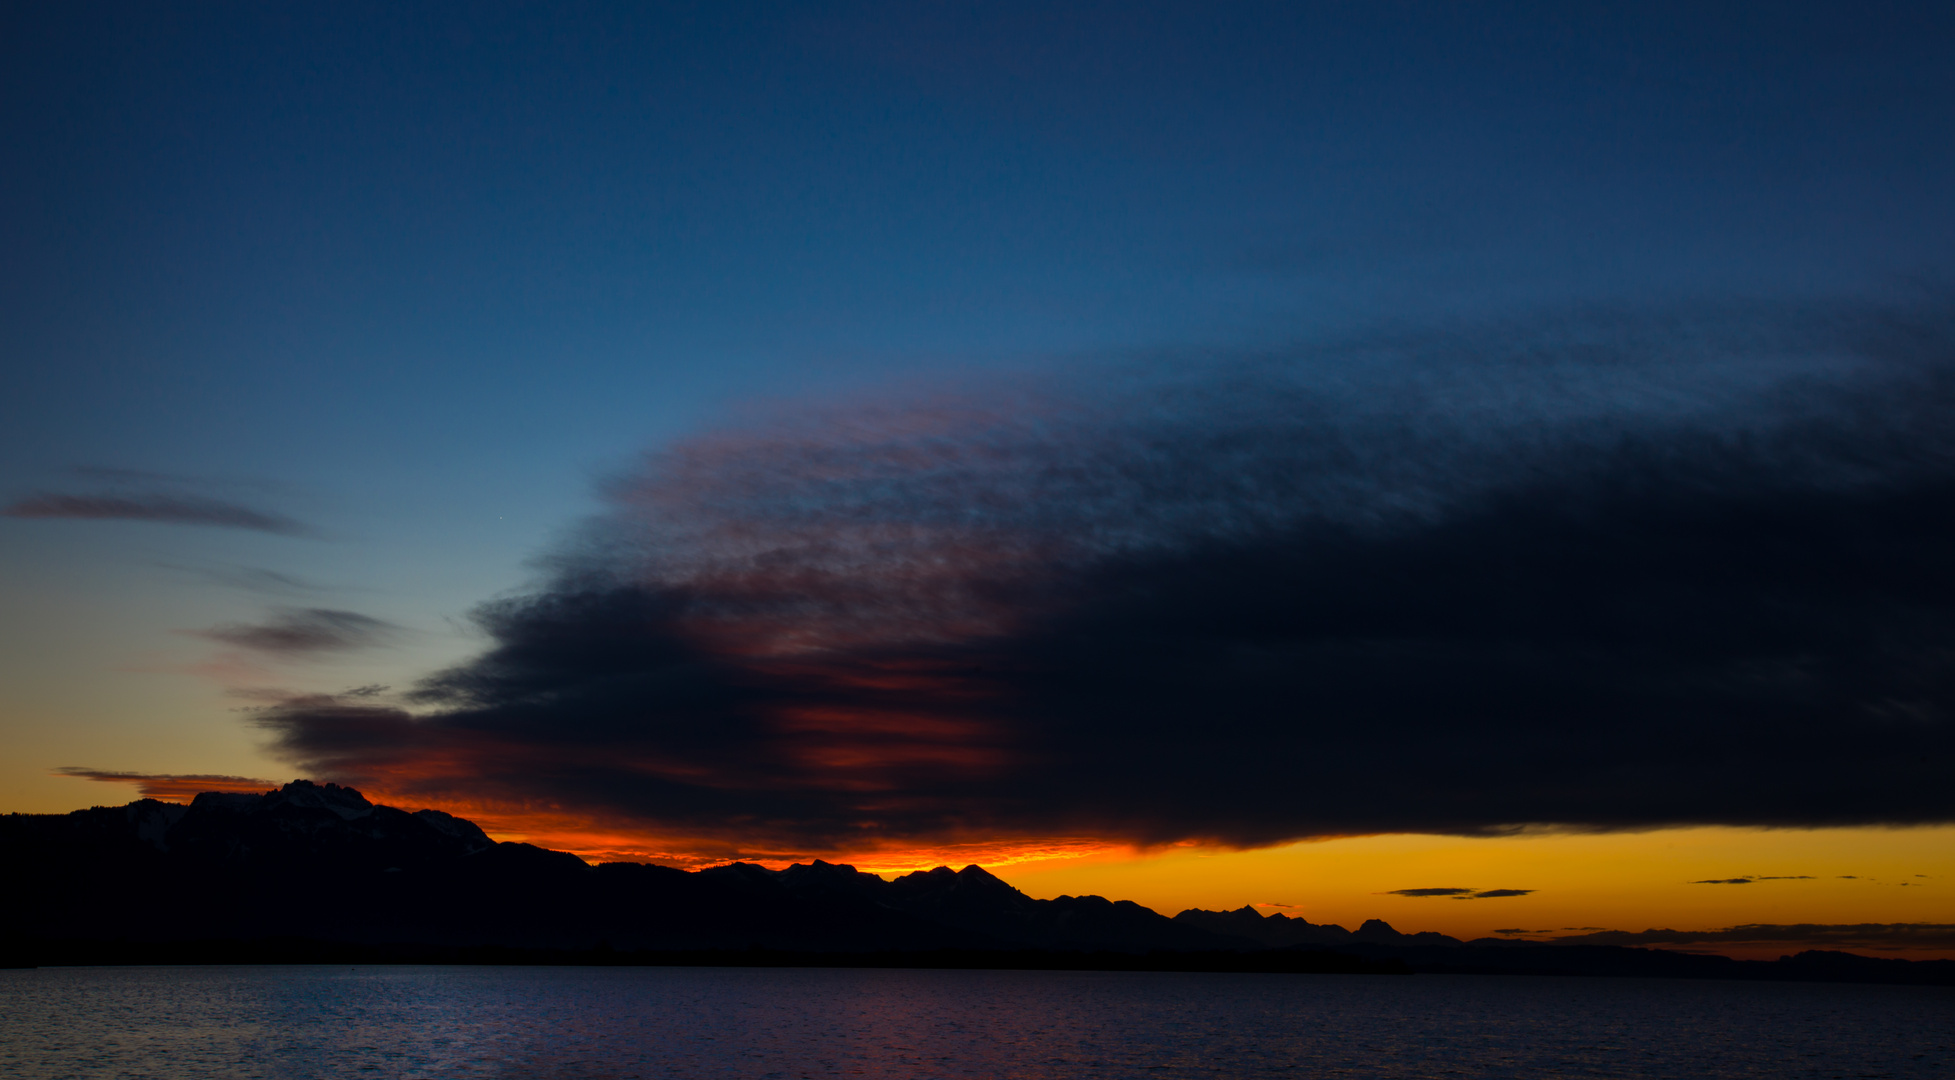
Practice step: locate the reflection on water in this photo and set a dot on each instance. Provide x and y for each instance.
(663, 1022)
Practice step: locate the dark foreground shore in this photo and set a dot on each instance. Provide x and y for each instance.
(302, 951)
(1810, 966)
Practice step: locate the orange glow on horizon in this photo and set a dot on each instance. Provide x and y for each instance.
(1576, 882)
(596, 842)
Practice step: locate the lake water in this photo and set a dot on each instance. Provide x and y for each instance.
(727, 1022)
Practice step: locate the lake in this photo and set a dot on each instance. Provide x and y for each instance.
(278, 1022)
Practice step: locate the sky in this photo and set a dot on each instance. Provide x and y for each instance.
(1345, 458)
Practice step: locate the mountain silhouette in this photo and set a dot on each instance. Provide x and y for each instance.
(320, 861)
(317, 872)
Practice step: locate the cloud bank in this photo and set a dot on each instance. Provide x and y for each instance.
(1594, 572)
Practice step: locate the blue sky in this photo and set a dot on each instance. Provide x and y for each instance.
(420, 277)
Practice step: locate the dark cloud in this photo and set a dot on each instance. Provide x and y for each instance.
(305, 630)
(1878, 936)
(1725, 881)
(168, 508)
(1596, 573)
(169, 786)
(1461, 894)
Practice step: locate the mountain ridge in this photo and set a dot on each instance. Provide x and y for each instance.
(437, 878)
(331, 874)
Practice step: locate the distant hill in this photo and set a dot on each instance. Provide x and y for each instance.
(324, 872)
(1282, 931)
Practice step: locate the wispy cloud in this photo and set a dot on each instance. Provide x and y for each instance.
(1459, 894)
(300, 631)
(170, 787)
(167, 508)
(253, 579)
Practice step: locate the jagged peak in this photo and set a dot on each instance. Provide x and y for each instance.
(347, 802)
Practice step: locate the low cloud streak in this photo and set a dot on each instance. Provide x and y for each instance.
(305, 631)
(1458, 893)
(169, 787)
(164, 508)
